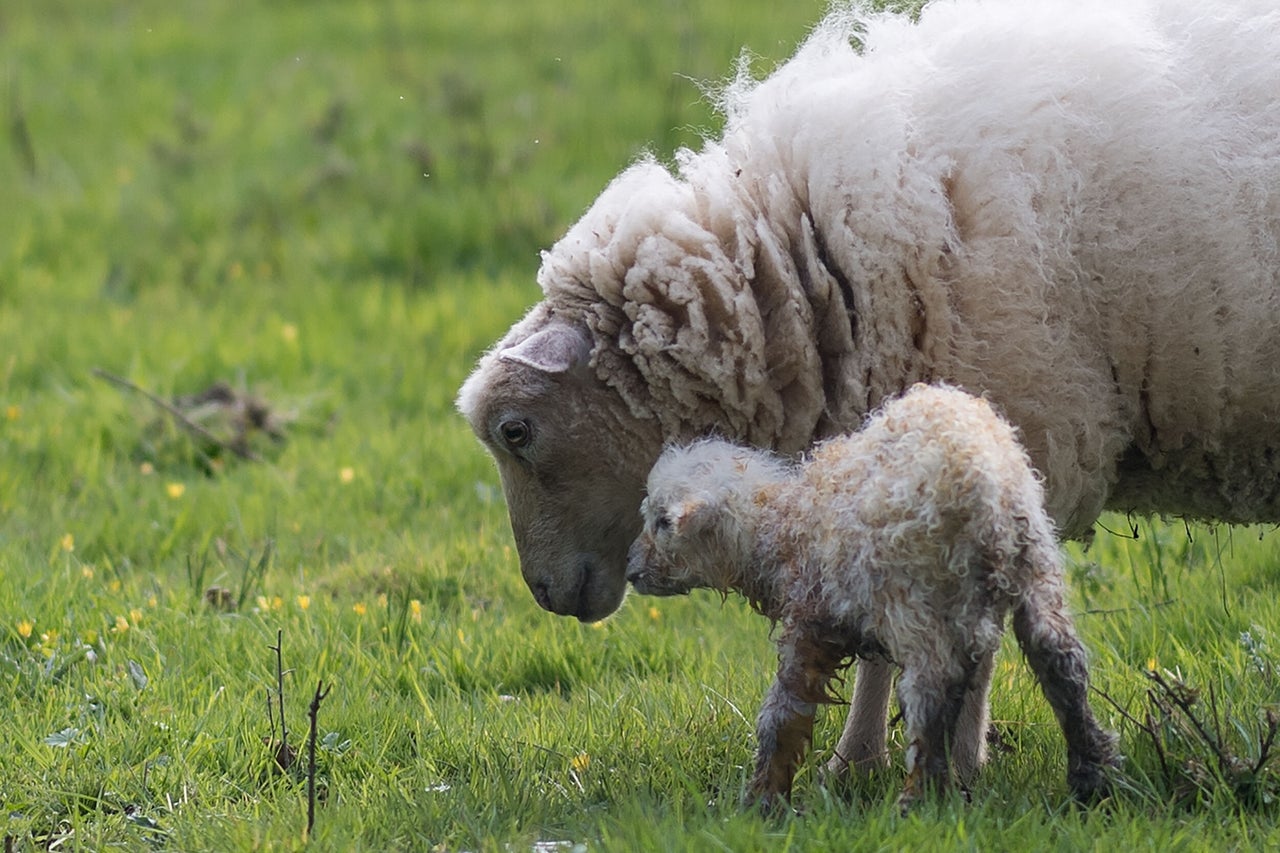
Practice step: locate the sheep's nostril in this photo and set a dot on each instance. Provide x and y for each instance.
(541, 594)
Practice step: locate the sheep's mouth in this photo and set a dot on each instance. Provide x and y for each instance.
(599, 594)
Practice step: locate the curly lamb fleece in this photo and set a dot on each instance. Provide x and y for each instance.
(912, 538)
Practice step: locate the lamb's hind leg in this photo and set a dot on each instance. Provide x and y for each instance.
(862, 745)
(1056, 655)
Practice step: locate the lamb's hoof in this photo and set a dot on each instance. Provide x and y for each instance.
(912, 791)
(768, 803)
(1091, 784)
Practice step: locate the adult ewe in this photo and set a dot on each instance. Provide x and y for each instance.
(1070, 207)
(910, 539)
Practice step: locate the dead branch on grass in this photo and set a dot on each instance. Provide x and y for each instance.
(313, 713)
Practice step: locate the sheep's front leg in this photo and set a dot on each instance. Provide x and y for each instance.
(784, 727)
(862, 744)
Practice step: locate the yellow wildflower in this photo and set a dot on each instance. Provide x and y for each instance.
(654, 614)
(304, 601)
(86, 572)
(359, 608)
(25, 627)
(122, 625)
(289, 332)
(580, 762)
(175, 490)
(146, 469)
(347, 474)
(135, 616)
(68, 542)
(382, 600)
(13, 412)
(151, 601)
(415, 610)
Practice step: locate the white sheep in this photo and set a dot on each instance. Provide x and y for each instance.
(1069, 206)
(910, 539)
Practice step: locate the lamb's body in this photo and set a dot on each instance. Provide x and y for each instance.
(913, 539)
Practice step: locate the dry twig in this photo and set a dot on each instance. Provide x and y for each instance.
(313, 713)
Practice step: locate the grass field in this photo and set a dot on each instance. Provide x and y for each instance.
(335, 207)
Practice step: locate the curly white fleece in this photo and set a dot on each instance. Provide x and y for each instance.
(1072, 206)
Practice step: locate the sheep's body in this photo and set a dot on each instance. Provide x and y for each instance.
(912, 538)
(1070, 206)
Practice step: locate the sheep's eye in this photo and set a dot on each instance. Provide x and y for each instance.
(515, 433)
(662, 523)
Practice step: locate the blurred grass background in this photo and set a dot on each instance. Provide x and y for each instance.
(333, 208)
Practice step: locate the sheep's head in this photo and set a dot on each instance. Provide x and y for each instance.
(572, 460)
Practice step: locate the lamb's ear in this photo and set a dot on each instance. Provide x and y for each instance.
(556, 349)
(692, 517)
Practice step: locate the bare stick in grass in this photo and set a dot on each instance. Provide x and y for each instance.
(20, 135)
(284, 755)
(313, 713)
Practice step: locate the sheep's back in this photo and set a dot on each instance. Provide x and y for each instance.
(1073, 208)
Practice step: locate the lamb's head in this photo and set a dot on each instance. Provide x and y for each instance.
(572, 460)
(699, 521)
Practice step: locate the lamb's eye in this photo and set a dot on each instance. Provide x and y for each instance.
(662, 523)
(515, 433)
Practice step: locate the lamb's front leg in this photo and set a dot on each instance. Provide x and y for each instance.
(784, 727)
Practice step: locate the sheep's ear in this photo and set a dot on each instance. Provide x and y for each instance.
(556, 349)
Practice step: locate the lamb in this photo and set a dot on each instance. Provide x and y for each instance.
(911, 539)
(1071, 207)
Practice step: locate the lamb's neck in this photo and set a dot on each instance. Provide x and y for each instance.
(762, 585)
(766, 594)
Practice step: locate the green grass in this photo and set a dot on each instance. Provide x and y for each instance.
(337, 206)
